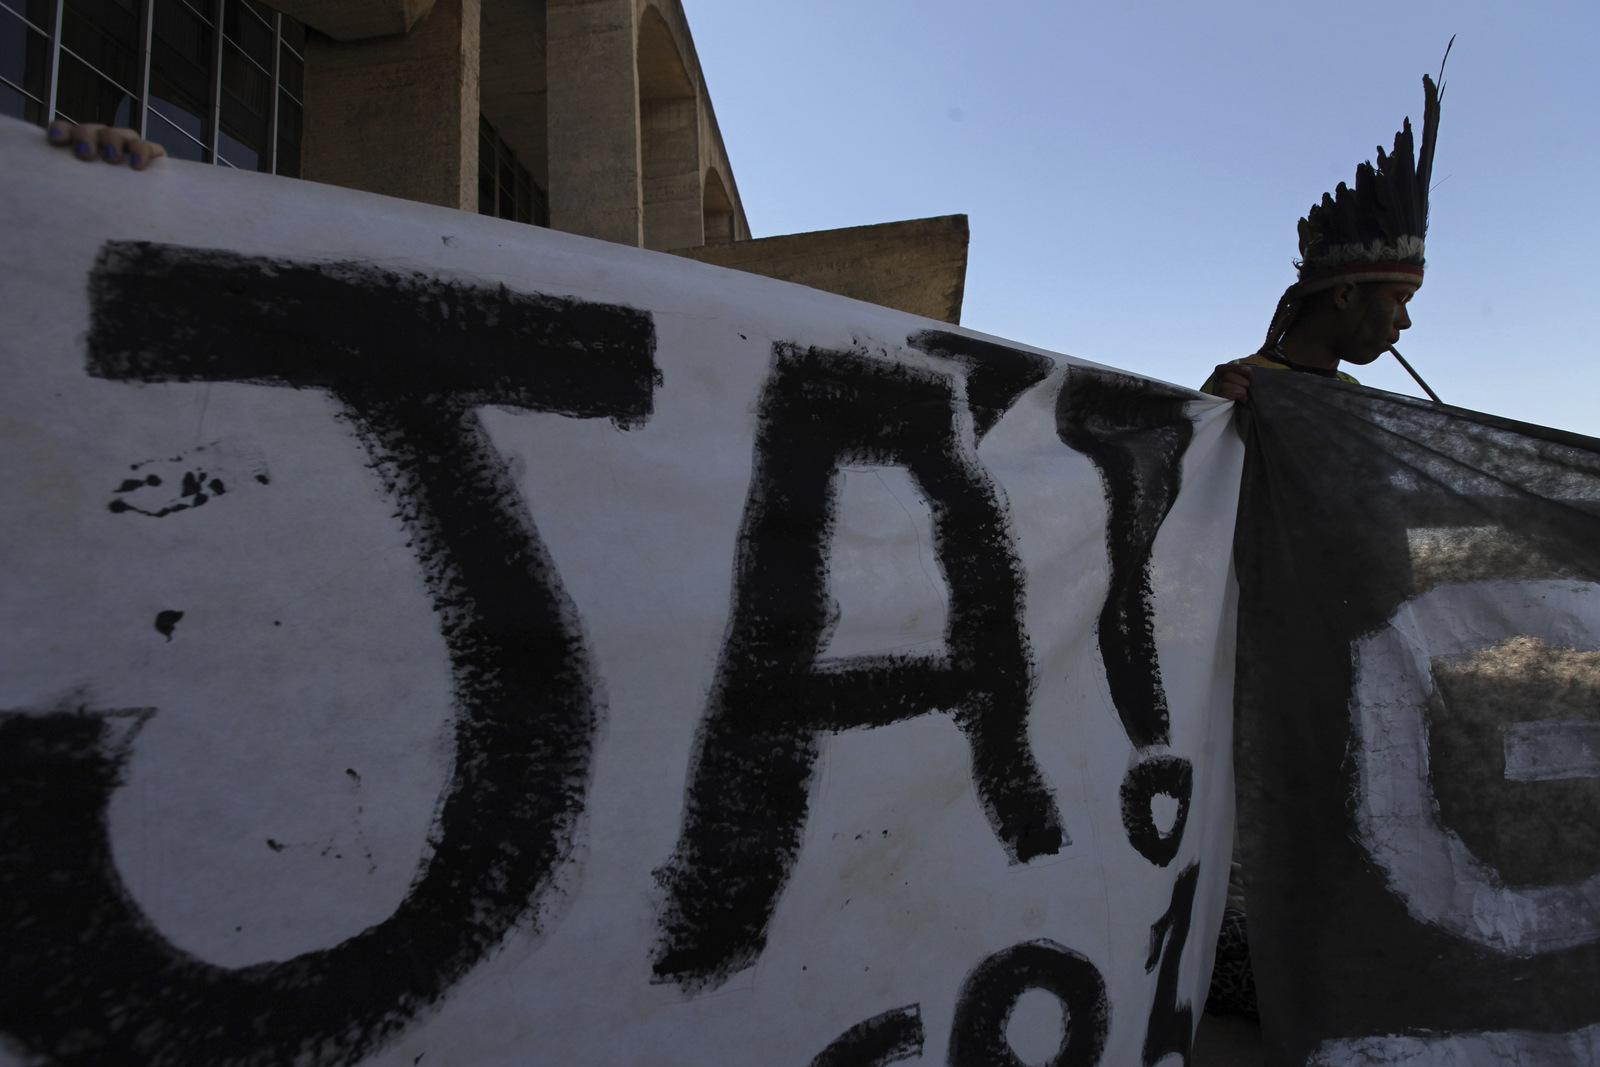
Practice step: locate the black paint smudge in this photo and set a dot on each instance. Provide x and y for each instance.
(992, 989)
(996, 374)
(276, 846)
(771, 700)
(192, 482)
(191, 493)
(1171, 1026)
(1135, 432)
(117, 507)
(1171, 776)
(887, 1037)
(166, 622)
(408, 357)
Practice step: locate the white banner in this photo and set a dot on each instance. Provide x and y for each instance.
(435, 640)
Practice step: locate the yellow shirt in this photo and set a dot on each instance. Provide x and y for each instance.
(1258, 360)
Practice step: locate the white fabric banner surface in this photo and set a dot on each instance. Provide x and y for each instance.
(435, 640)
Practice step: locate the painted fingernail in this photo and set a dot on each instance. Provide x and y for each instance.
(110, 153)
(83, 148)
(57, 132)
(135, 157)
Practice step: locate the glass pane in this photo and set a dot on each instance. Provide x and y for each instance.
(12, 102)
(178, 117)
(238, 155)
(23, 55)
(42, 13)
(294, 35)
(82, 95)
(246, 81)
(17, 106)
(104, 34)
(508, 178)
(178, 144)
(541, 207)
(524, 194)
(292, 70)
(245, 25)
(485, 168)
(288, 136)
(204, 10)
(180, 56)
(505, 188)
(250, 136)
(246, 99)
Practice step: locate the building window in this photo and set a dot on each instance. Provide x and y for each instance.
(505, 188)
(162, 67)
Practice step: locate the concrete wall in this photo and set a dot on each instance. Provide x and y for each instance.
(713, 154)
(398, 115)
(669, 140)
(605, 104)
(632, 133)
(918, 266)
(602, 100)
(594, 119)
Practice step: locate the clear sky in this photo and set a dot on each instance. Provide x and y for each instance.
(1133, 172)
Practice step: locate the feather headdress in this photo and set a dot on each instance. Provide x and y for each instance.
(1374, 232)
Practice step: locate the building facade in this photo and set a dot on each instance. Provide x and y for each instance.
(588, 116)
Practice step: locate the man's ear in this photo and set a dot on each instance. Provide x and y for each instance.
(1344, 295)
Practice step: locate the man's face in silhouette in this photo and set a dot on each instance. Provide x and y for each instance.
(1370, 319)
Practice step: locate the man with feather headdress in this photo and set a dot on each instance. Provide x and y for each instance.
(1360, 262)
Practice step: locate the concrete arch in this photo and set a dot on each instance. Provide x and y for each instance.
(663, 74)
(669, 139)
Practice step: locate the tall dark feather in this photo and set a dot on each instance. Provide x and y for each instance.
(1432, 95)
(1389, 201)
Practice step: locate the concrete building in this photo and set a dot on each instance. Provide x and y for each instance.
(588, 116)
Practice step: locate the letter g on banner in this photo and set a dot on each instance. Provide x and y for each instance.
(1397, 816)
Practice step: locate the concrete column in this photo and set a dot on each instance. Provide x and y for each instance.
(718, 215)
(669, 138)
(593, 99)
(398, 115)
